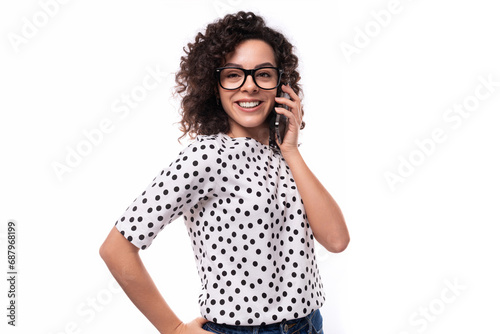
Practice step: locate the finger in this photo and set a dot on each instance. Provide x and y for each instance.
(293, 105)
(292, 118)
(292, 111)
(289, 103)
(201, 320)
(294, 98)
(288, 89)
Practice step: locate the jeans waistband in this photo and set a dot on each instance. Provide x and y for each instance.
(284, 326)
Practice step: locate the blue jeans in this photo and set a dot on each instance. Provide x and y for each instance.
(311, 324)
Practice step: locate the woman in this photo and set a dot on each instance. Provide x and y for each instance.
(250, 204)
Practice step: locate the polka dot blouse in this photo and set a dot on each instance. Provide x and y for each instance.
(253, 245)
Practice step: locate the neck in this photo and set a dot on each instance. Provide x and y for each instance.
(261, 134)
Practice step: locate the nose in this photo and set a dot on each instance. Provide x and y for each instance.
(249, 85)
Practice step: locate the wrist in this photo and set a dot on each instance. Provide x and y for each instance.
(290, 154)
(177, 328)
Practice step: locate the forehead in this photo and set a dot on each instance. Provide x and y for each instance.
(250, 53)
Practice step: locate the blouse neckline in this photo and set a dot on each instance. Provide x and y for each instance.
(269, 147)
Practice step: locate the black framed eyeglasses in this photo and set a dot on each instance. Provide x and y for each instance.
(232, 78)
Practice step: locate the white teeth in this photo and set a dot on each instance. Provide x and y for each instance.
(249, 104)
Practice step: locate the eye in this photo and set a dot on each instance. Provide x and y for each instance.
(231, 73)
(264, 74)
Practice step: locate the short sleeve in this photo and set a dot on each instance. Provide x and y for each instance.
(191, 178)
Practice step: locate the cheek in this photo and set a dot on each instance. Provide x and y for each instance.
(225, 99)
(271, 106)
(272, 101)
(226, 104)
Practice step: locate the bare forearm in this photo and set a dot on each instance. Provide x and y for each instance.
(323, 213)
(130, 273)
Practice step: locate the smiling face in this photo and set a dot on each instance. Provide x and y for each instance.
(249, 106)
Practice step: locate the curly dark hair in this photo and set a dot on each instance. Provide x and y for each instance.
(196, 80)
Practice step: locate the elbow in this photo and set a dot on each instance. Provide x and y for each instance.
(106, 251)
(116, 247)
(103, 252)
(337, 245)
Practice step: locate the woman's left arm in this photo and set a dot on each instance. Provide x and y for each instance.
(324, 215)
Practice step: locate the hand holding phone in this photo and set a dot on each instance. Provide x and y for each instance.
(281, 122)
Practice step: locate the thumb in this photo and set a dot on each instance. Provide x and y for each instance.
(201, 321)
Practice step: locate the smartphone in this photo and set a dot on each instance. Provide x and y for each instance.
(281, 121)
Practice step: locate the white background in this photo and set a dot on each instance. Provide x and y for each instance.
(435, 227)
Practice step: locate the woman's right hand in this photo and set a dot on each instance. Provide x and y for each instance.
(193, 327)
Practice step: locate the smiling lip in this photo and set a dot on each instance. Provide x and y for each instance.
(248, 102)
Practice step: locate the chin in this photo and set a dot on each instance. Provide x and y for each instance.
(250, 124)
(251, 121)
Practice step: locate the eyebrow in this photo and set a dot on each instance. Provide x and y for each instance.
(260, 65)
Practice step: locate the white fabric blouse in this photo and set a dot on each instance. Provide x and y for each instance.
(250, 236)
